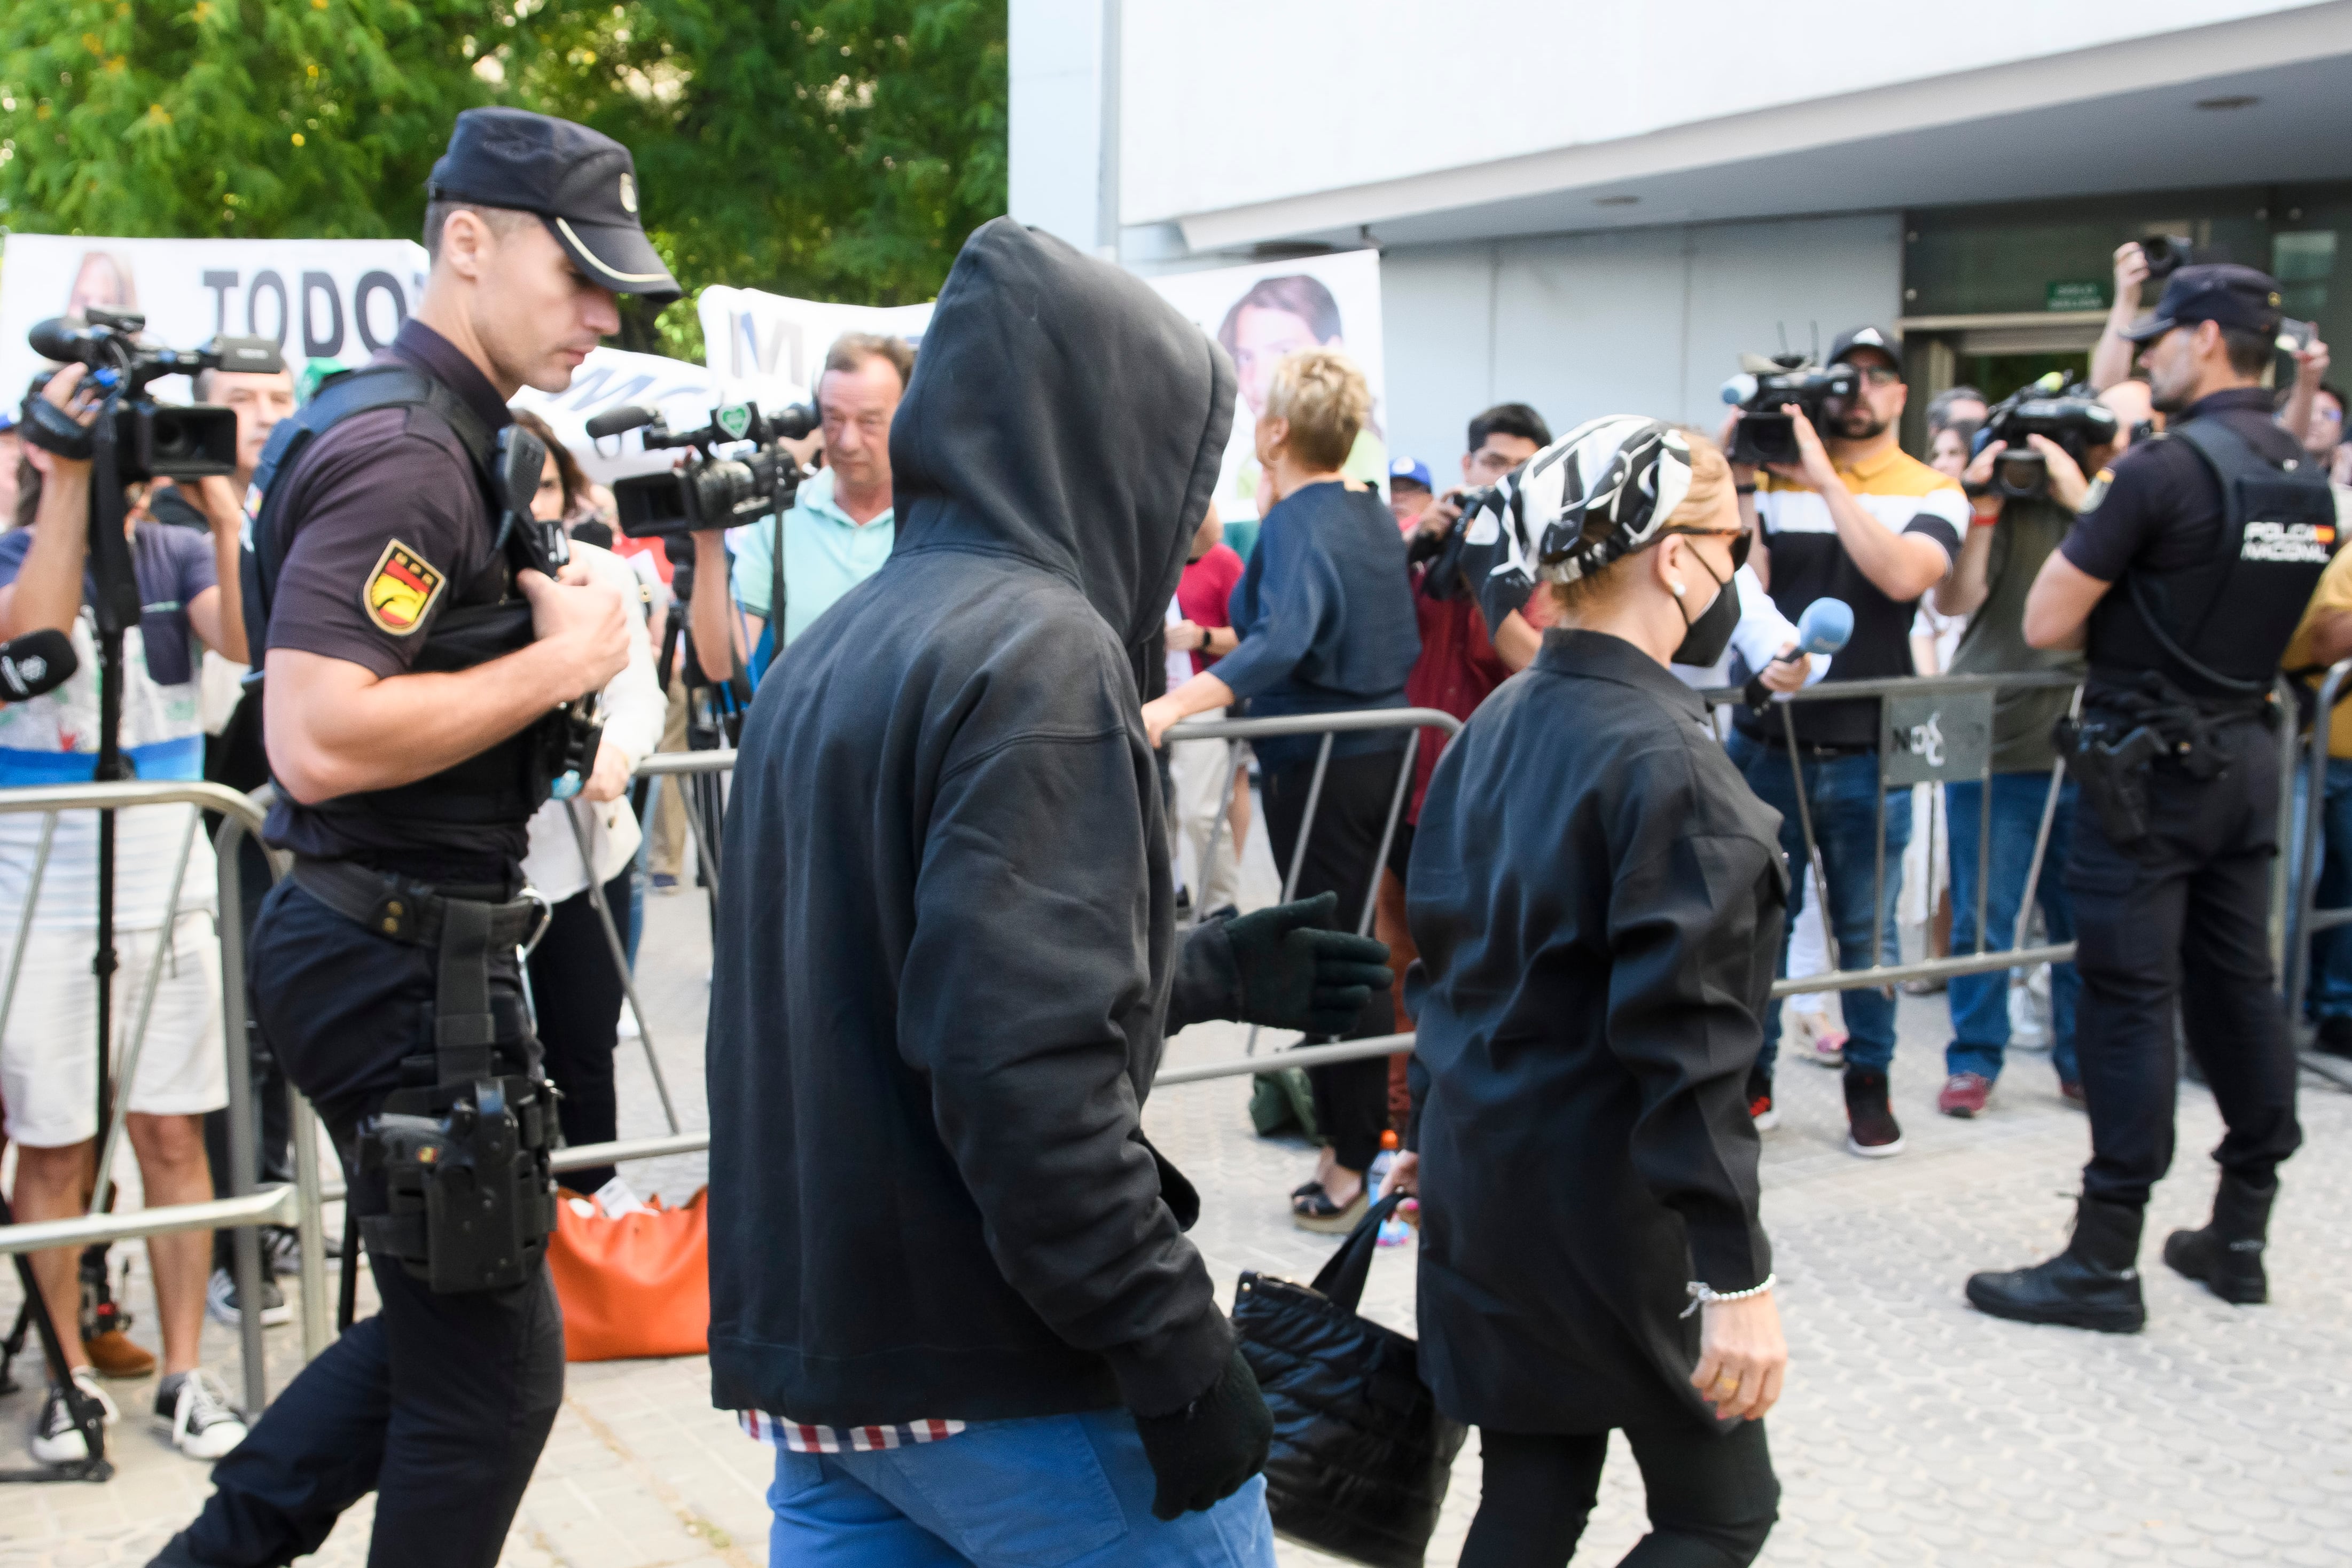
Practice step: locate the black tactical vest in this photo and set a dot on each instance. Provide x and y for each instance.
(2216, 629)
(485, 620)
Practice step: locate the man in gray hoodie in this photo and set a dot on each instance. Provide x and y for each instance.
(949, 1280)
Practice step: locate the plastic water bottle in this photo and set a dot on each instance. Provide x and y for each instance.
(1395, 1230)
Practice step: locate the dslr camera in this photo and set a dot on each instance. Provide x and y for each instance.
(2072, 416)
(710, 491)
(151, 440)
(2166, 253)
(1765, 434)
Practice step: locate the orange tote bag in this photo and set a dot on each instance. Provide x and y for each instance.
(638, 1285)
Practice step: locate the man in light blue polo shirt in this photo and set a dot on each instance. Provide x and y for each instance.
(840, 527)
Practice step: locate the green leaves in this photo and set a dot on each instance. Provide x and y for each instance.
(839, 149)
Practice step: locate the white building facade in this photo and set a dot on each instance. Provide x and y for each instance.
(1596, 209)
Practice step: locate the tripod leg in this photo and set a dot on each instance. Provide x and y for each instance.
(88, 1414)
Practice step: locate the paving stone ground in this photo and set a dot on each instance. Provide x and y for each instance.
(1915, 1431)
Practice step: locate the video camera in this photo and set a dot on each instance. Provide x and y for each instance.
(1765, 434)
(2166, 253)
(152, 439)
(2072, 416)
(710, 491)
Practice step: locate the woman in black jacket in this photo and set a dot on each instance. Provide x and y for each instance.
(1598, 898)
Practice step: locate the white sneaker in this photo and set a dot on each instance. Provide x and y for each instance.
(221, 1304)
(56, 1439)
(204, 1423)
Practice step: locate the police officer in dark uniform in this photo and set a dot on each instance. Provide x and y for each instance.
(427, 655)
(2183, 577)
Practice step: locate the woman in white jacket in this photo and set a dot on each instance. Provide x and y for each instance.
(575, 984)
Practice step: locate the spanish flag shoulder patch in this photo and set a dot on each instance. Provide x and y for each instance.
(401, 589)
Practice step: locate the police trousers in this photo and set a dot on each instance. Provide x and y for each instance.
(2182, 919)
(439, 1404)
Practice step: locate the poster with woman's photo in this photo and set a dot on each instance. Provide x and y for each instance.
(1264, 311)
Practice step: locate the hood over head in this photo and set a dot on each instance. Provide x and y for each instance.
(1063, 412)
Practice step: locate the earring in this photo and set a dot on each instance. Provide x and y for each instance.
(1677, 587)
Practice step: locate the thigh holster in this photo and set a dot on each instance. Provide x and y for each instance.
(469, 1200)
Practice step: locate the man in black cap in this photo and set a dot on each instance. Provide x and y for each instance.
(419, 659)
(2184, 576)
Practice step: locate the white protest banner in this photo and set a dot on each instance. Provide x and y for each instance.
(770, 347)
(316, 298)
(683, 393)
(1264, 311)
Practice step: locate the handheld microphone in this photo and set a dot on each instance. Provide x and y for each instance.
(36, 663)
(615, 420)
(1826, 626)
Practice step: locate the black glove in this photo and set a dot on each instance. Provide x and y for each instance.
(1203, 1453)
(1295, 973)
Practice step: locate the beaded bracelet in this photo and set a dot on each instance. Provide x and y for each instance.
(1701, 1293)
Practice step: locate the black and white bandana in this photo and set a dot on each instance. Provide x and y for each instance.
(1633, 471)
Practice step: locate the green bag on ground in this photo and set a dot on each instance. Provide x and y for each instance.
(1281, 1099)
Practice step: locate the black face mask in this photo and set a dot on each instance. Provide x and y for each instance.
(1710, 635)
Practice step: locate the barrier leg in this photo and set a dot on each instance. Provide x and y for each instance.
(318, 1312)
(1812, 845)
(244, 1134)
(621, 962)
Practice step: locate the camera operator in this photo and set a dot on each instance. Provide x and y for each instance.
(48, 1053)
(2008, 538)
(1859, 520)
(2184, 578)
(1500, 439)
(410, 748)
(839, 528)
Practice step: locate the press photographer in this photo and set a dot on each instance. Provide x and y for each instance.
(427, 651)
(1850, 517)
(2183, 579)
(2024, 485)
(49, 1053)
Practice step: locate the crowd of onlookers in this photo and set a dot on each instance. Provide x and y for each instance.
(1339, 599)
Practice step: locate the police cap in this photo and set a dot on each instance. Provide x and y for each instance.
(581, 181)
(2221, 291)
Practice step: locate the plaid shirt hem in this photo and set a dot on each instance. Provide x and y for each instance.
(802, 1437)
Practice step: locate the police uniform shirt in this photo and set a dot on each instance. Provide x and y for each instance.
(391, 527)
(2159, 508)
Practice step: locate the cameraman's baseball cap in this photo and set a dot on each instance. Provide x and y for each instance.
(581, 181)
(1843, 346)
(1411, 471)
(2219, 291)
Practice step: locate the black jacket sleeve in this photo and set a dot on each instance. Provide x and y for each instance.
(1028, 975)
(1693, 925)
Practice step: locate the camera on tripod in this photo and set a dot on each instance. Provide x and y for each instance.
(710, 491)
(1765, 434)
(152, 439)
(2072, 416)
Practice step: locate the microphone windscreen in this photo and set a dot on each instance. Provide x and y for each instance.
(36, 663)
(614, 421)
(53, 339)
(1826, 626)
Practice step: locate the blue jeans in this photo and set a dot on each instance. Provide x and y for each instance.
(1844, 793)
(1055, 1491)
(1981, 1002)
(2328, 992)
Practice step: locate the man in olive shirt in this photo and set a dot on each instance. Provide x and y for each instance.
(2008, 540)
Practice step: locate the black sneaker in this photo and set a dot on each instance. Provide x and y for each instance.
(196, 1409)
(221, 1302)
(1873, 1132)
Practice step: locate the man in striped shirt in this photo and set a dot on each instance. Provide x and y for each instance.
(1855, 520)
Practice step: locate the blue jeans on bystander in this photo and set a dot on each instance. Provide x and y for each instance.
(1844, 794)
(1070, 1491)
(1981, 1002)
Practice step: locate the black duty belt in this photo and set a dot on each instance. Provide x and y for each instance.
(463, 931)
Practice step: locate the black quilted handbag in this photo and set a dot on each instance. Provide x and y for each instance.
(1361, 1454)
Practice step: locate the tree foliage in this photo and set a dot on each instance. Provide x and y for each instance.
(837, 149)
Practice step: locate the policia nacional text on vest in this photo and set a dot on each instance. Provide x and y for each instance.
(2177, 655)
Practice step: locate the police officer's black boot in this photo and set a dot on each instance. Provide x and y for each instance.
(2094, 1284)
(2227, 1254)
